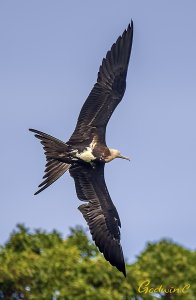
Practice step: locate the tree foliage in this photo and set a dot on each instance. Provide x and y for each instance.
(39, 265)
(169, 267)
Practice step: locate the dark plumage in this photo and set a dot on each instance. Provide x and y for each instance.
(86, 152)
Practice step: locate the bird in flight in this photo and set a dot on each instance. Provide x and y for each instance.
(86, 152)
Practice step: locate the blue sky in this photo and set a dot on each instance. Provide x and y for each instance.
(50, 55)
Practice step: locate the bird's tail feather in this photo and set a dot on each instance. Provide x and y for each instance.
(56, 157)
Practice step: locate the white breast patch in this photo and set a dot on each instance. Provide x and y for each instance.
(86, 155)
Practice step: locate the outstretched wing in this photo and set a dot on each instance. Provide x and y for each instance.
(108, 90)
(99, 211)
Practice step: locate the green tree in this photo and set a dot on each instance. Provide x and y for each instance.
(39, 265)
(35, 265)
(168, 264)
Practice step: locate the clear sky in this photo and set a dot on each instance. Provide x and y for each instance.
(50, 55)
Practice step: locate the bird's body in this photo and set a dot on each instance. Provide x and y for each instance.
(86, 152)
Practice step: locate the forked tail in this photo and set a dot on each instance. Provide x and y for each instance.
(57, 160)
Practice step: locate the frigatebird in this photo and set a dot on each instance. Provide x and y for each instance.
(86, 152)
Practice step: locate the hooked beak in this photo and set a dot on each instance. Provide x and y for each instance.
(124, 157)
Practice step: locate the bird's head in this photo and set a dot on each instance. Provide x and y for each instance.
(116, 154)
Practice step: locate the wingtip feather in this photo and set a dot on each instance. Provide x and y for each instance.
(124, 272)
(36, 193)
